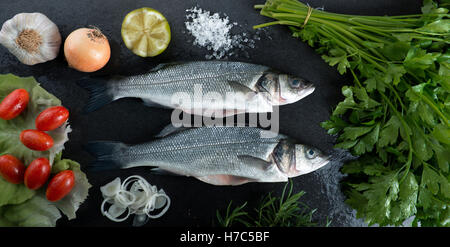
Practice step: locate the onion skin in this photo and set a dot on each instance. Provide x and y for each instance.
(87, 50)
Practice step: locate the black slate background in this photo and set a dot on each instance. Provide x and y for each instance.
(193, 203)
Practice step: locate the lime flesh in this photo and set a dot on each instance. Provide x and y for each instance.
(146, 32)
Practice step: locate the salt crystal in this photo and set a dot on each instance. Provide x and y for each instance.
(214, 33)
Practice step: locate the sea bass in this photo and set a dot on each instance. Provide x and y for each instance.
(202, 88)
(215, 155)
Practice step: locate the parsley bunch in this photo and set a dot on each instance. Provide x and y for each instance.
(395, 115)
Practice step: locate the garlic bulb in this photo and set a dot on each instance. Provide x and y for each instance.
(31, 37)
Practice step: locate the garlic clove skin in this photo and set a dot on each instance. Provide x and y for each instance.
(31, 37)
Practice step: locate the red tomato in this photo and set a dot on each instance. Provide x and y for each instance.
(13, 104)
(11, 169)
(37, 173)
(60, 185)
(52, 118)
(36, 140)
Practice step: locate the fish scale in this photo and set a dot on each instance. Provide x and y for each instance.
(202, 86)
(215, 155)
(204, 151)
(160, 86)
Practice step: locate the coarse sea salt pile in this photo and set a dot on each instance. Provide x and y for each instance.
(213, 32)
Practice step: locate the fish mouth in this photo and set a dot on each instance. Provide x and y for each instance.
(324, 162)
(300, 94)
(307, 90)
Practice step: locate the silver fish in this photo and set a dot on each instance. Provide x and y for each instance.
(202, 88)
(215, 155)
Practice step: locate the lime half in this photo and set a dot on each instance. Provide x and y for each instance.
(146, 32)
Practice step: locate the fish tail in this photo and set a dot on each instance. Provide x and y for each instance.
(100, 93)
(105, 155)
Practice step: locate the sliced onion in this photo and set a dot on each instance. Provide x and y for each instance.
(111, 217)
(111, 189)
(134, 196)
(116, 211)
(162, 211)
(160, 200)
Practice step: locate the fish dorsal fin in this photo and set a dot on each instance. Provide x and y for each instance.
(255, 162)
(163, 65)
(170, 129)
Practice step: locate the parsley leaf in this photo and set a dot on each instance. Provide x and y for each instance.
(395, 115)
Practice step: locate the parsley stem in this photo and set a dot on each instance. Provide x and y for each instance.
(289, 23)
(434, 107)
(408, 139)
(326, 32)
(396, 95)
(416, 31)
(373, 30)
(344, 31)
(419, 15)
(380, 67)
(429, 102)
(367, 36)
(356, 78)
(348, 43)
(430, 38)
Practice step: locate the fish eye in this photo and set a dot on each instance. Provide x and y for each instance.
(311, 153)
(265, 83)
(295, 83)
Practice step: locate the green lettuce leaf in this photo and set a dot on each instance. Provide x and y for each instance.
(30, 208)
(36, 212)
(13, 193)
(20, 206)
(70, 203)
(10, 130)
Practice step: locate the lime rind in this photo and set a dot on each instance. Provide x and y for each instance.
(146, 32)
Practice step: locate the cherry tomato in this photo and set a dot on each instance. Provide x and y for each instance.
(52, 118)
(36, 140)
(37, 173)
(60, 185)
(11, 169)
(13, 104)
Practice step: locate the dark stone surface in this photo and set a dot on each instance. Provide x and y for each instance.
(193, 203)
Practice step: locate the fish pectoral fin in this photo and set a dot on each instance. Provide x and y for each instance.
(238, 87)
(228, 113)
(221, 179)
(252, 96)
(159, 171)
(255, 162)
